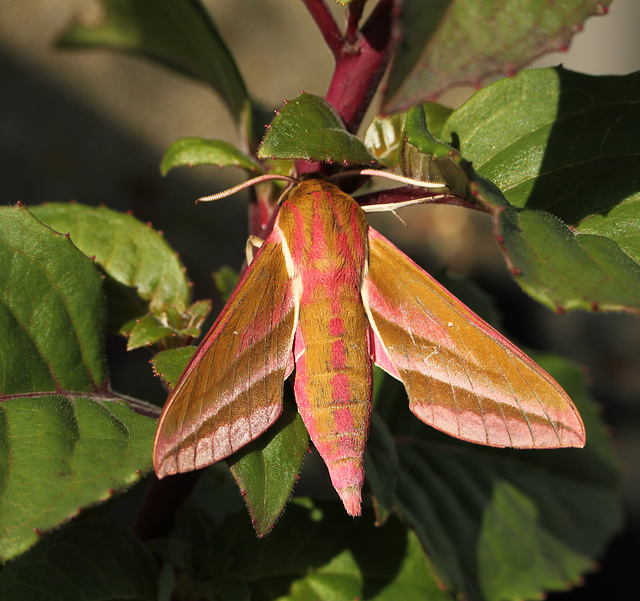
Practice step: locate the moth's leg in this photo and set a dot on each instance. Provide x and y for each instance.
(252, 242)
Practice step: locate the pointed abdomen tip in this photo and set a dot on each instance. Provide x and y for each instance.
(352, 501)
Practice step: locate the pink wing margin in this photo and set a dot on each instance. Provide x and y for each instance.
(231, 391)
(461, 376)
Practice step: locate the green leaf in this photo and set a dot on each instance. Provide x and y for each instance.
(52, 312)
(317, 553)
(180, 35)
(66, 440)
(455, 42)
(561, 142)
(225, 280)
(189, 152)
(267, 468)
(308, 127)
(504, 523)
(557, 141)
(87, 561)
(66, 452)
(170, 364)
(556, 266)
(538, 136)
(147, 330)
(425, 158)
(568, 271)
(381, 467)
(131, 252)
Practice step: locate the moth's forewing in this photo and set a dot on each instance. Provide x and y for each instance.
(461, 375)
(232, 389)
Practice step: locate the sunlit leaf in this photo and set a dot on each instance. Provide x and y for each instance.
(461, 42)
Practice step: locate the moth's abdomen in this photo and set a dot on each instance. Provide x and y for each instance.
(333, 387)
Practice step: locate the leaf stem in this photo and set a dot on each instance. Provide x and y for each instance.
(361, 65)
(327, 25)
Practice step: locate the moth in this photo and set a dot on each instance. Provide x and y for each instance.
(325, 298)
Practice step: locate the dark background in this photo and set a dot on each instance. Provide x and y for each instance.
(93, 126)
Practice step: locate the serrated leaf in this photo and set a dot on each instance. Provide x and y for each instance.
(129, 251)
(66, 453)
(49, 290)
(558, 267)
(507, 131)
(506, 523)
(87, 561)
(66, 440)
(308, 127)
(193, 151)
(180, 35)
(316, 553)
(568, 271)
(456, 42)
(557, 141)
(170, 364)
(147, 330)
(267, 468)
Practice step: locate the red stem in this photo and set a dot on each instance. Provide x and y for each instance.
(360, 66)
(326, 24)
(354, 14)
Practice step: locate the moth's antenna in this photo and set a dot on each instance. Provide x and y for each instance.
(401, 178)
(250, 182)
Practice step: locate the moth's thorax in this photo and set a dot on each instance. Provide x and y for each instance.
(325, 230)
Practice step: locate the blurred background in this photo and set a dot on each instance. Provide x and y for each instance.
(93, 126)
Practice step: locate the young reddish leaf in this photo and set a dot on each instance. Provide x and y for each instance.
(335, 297)
(460, 42)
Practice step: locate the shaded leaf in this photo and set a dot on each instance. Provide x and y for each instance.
(66, 440)
(558, 267)
(225, 280)
(381, 467)
(193, 151)
(267, 468)
(180, 35)
(456, 42)
(308, 127)
(316, 553)
(502, 523)
(87, 561)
